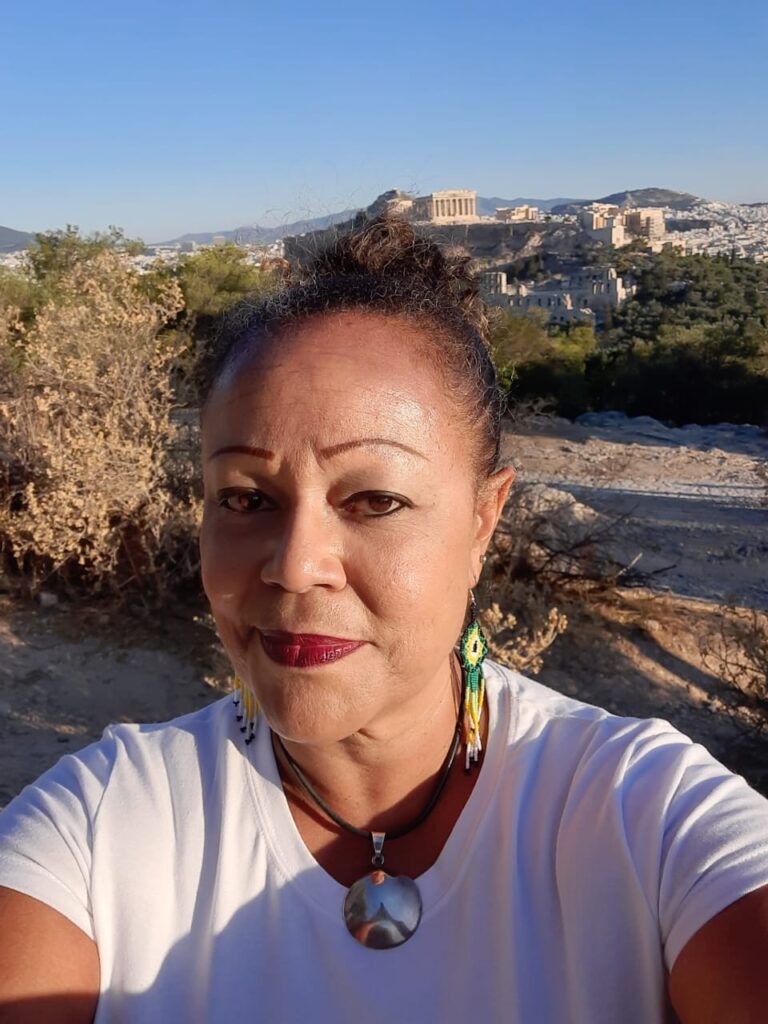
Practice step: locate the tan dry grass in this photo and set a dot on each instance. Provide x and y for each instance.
(85, 435)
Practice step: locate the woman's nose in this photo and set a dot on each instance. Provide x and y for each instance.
(305, 553)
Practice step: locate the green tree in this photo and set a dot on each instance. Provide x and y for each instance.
(212, 281)
(55, 254)
(18, 293)
(519, 337)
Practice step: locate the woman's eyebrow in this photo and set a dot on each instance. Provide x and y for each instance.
(326, 453)
(338, 449)
(243, 449)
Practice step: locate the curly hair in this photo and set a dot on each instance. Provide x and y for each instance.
(384, 267)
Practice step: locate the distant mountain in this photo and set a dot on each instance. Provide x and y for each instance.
(637, 197)
(14, 241)
(255, 234)
(486, 205)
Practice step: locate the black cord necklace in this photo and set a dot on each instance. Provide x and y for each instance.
(381, 910)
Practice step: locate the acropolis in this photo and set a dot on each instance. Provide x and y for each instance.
(449, 206)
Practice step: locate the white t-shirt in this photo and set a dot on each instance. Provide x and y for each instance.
(590, 850)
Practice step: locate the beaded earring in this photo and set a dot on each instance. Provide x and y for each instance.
(473, 647)
(247, 708)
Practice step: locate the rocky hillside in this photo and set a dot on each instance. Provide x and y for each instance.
(489, 241)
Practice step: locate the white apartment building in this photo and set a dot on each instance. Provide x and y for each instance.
(511, 214)
(617, 226)
(647, 223)
(604, 223)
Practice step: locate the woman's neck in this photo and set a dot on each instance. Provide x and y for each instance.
(383, 775)
(382, 796)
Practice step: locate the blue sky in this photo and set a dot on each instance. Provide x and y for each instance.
(163, 117)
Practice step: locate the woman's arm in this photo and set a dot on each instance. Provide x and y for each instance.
(49, 968)
(721, 975)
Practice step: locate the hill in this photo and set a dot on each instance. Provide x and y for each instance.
(491, 241)
(13, 241)
(636, 197)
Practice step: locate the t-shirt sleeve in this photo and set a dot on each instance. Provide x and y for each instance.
(702, 830)
(46, 832)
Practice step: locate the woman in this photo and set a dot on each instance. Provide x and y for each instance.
(324, 849)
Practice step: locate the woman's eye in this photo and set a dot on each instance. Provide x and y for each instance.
(243, 501)
(375, 504)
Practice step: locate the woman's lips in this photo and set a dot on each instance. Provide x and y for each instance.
(304, 650)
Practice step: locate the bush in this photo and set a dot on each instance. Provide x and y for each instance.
(212, 282)
(533, 361)
(738, 653)
(91, 496)
(677, 382)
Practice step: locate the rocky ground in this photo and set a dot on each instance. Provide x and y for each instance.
(695, 498)
(689, 501)
(689, 507)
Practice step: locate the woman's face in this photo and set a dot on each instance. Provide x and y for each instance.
(340, 501)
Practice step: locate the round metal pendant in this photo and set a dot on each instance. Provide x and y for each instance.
(382, 911)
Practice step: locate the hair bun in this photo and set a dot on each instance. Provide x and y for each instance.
(388, 247)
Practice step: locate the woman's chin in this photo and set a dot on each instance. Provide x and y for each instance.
(309, 726)
(307, 705)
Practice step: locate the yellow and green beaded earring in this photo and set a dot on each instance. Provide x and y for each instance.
(248, 708)
(473, 647)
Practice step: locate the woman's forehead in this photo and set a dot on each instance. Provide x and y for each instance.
(344, 377)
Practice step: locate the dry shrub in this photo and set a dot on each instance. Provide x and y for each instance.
(738, 653)
(550, 539)
(89, 496)
(549, 552)
(519, 641)
(520, 618)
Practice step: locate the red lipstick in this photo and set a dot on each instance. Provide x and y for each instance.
(305, 650)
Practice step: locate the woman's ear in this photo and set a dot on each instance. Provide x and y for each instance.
(490, 504)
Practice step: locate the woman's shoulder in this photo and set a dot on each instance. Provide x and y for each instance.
(205, 725)
(150, 754)
(539, 700)
(111, 800)
(538, 710)
(582, 746)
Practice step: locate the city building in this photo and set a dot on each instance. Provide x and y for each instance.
(647, 223)
(604, 223)
(510, 214)
(493, 283)
(617, 226)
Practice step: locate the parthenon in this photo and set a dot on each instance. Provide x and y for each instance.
(449, 205)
